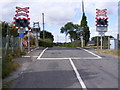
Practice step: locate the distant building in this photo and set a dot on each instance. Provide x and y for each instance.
(113, 43)
(91, 43)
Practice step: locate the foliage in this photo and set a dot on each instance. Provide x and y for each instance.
(13, 31)
(114, 53)
(74, 31)
(45, 43)
(70, 29)
(48, 35)
(7, 85)
(86, 32)
(8, 30)
(32, 39)
(8, 65)
(69, 44)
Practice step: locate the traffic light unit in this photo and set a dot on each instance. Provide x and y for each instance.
(21, 23)
(102, 22)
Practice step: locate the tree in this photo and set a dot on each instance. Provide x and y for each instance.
(13, 31)
(48, 35)
(70, 29)
(8, 30)
(86, 31)
(4, 29)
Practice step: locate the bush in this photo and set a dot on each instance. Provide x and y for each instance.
(8, 65)
(71, 44)
(46, 43)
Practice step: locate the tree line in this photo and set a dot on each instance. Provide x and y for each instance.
(74, 30)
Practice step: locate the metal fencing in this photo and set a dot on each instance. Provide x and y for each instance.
(10, 44)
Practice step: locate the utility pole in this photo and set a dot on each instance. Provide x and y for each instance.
(43, 25)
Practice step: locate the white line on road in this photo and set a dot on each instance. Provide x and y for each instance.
(30, 56)
(53, 58)
(68, 58)
(42, 53)
(92, 53)
(26, 56)
(78, 75)
(85, 58)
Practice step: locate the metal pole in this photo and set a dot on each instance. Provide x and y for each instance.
(117, 43)
(36, 39)
(81, 41)
(21, 44)
(108, 42)
(7, 43)
(101, 41)
(43, 26)
(97, 43)
(28, 40)
(12, 44)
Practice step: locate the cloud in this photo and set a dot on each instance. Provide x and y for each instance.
(111, 6)
(57, 12)
(61, 38)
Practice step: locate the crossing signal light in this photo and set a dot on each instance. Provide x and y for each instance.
(102, 22)
(21, 23)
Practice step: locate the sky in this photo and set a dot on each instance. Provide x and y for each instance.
(58, 12)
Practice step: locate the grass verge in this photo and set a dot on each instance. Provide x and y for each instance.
(8, 64)
(114, 53)
(7, 85)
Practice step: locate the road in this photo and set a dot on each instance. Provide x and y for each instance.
(59, 67)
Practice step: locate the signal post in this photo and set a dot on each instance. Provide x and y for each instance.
(21, 22)
(102, 23)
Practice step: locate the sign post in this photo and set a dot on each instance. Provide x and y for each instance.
(102, 23)
(80, 31)
(21, 21)
(28, 40)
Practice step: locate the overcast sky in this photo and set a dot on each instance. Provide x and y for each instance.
(59, 12)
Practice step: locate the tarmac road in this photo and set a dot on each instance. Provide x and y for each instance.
(59, 67)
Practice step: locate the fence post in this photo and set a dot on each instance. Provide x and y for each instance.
(12, 43)
(7, 44)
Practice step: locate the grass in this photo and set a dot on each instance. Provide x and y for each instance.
(8, 64)
(114, 53)
(9, 67)
(7, 85)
